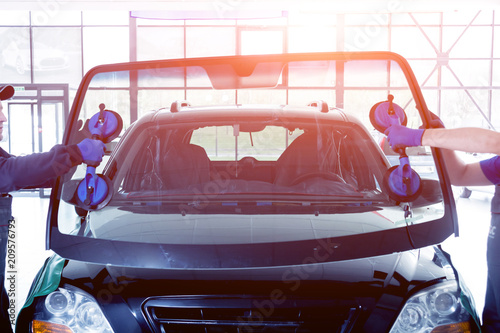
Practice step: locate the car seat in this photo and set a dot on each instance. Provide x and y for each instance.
(307, 154)
(185, 164)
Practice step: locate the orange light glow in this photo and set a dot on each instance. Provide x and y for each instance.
(463, 327)
(46, 327)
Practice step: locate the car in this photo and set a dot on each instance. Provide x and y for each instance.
(16, 54)
(247, 194)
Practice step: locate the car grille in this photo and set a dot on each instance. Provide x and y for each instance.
(238, 315)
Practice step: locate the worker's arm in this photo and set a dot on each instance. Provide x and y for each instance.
(468, 139)
(37, 170)
(463, 139)
(41, 169)
(461, 173)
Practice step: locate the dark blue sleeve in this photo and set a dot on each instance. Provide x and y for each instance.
(491, 169)
(38, 169)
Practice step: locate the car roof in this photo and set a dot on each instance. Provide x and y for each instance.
(184, 112)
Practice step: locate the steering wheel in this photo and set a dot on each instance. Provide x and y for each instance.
(242, 166)
(317, 174)
(247, 162)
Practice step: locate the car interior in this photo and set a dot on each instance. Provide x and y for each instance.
(318, 161)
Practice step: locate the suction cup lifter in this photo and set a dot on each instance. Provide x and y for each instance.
(93, 192)
(385, 114)
(401, 182)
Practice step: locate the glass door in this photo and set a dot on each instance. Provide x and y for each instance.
(21, 122)
(50, 125)
(34, 127)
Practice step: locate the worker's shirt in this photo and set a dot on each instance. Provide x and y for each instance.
(30, 171)
(36, 170)
(491, 169)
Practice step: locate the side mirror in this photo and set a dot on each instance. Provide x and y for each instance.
(431, 193)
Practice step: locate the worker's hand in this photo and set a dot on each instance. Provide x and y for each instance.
(92, 151)
(401, 136)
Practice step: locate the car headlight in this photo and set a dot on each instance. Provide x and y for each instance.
(69, 310)
(436, 309)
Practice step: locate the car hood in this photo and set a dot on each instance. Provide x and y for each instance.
(398, 269)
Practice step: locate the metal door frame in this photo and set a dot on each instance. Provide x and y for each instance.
(39, 94)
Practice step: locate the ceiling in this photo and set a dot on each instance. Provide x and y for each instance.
(343, 6)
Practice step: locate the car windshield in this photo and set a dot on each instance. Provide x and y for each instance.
(223, 152)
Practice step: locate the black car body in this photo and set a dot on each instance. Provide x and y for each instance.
(241, 204)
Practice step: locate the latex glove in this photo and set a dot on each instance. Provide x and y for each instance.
(92, 151)
(401, 136)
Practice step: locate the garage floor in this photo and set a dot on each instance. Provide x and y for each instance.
(468, 251)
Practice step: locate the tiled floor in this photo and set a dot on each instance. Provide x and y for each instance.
(468, 251)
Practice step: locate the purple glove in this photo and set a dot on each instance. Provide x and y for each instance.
(401, 136)
(92, 151)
